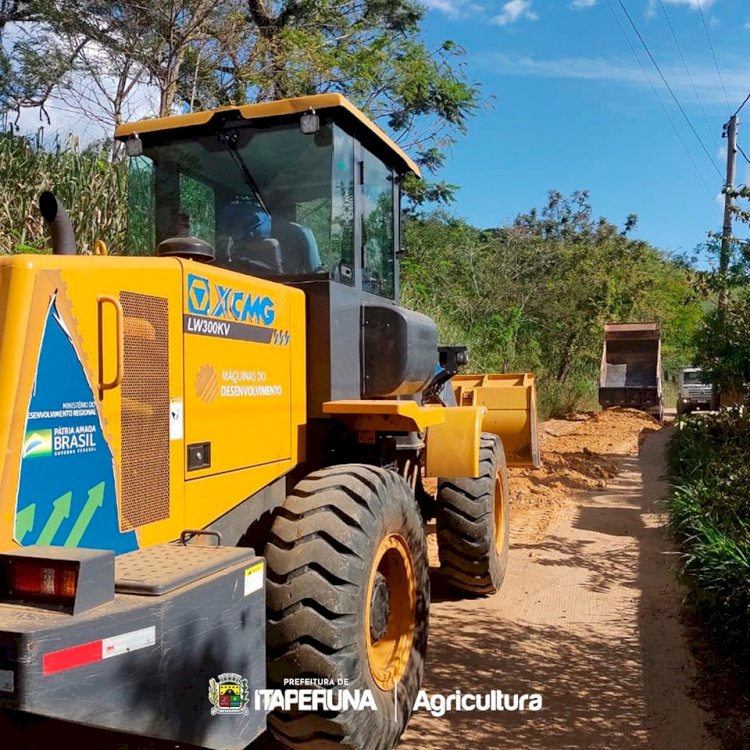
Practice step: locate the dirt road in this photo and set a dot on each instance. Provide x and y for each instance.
(588, 615)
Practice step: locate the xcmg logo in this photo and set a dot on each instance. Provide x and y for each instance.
(217, 301)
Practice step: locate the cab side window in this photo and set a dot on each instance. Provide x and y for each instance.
(378, 252)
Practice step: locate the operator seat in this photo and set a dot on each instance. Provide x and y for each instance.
(298, 247)
(244, 235)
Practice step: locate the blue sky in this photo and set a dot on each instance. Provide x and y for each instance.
(571, 108)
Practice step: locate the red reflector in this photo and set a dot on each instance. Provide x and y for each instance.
(69, 658)
(26, 578)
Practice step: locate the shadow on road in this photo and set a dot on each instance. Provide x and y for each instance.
(485, 653)
(590, 619)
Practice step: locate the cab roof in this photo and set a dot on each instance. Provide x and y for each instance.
(335, 105)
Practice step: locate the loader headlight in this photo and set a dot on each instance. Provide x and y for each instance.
(309, 123)
(134, 146)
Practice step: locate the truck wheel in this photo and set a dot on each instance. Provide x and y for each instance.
(472, 523)
(348, 595)
(680, 407)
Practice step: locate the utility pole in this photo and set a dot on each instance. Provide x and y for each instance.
(730, 133)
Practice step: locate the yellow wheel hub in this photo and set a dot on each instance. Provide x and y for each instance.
(390, 610)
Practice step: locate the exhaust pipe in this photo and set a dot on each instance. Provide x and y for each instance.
(58, 221)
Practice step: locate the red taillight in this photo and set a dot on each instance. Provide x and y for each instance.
(41, 580)
(63, 579)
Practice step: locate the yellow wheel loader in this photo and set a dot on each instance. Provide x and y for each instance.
(212, 448)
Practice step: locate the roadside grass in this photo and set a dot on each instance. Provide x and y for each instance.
(709, 512)
(671, 391)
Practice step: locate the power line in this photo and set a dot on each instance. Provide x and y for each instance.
(739, 148)
(739, 109)
(658, 98)
(669, 88)
(713, 53)
(684, 62)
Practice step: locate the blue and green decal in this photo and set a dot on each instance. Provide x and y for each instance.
(66, 494)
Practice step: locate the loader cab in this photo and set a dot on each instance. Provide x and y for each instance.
(305, 192)
(299, 189)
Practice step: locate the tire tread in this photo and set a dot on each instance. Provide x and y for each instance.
(465, 524)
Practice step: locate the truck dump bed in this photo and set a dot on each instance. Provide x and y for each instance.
(630, 373)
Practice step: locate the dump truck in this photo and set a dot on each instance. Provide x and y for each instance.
(213, 446)
(695, 391)
(630, 373)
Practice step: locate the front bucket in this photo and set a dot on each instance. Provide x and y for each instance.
(510, 400)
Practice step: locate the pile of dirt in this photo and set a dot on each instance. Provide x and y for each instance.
(581, 453)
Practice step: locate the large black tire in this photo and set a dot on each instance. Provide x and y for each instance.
(472, 524)
(322, 561)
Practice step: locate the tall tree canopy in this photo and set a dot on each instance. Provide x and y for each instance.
(199, 54)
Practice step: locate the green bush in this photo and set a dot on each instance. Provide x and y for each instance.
(578, 394)
(534, 296)
(709, 512)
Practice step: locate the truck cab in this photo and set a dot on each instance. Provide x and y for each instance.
(695, 391)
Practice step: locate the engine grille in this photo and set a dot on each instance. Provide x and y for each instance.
(698, 391)
(145, 411)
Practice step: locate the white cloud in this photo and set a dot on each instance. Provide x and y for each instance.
(583, 3)
(695, 4)
(513, 11)
(624, 72)
(692, 4)
(453, 8)
(449, 7)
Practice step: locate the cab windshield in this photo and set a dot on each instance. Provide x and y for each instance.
(272, 201)
(693, 378)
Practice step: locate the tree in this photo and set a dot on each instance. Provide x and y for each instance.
(32, 66)
(17, 11)
(94, 54)
(535, 295)
(207, 53)
(722, 343)
(368, 50)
